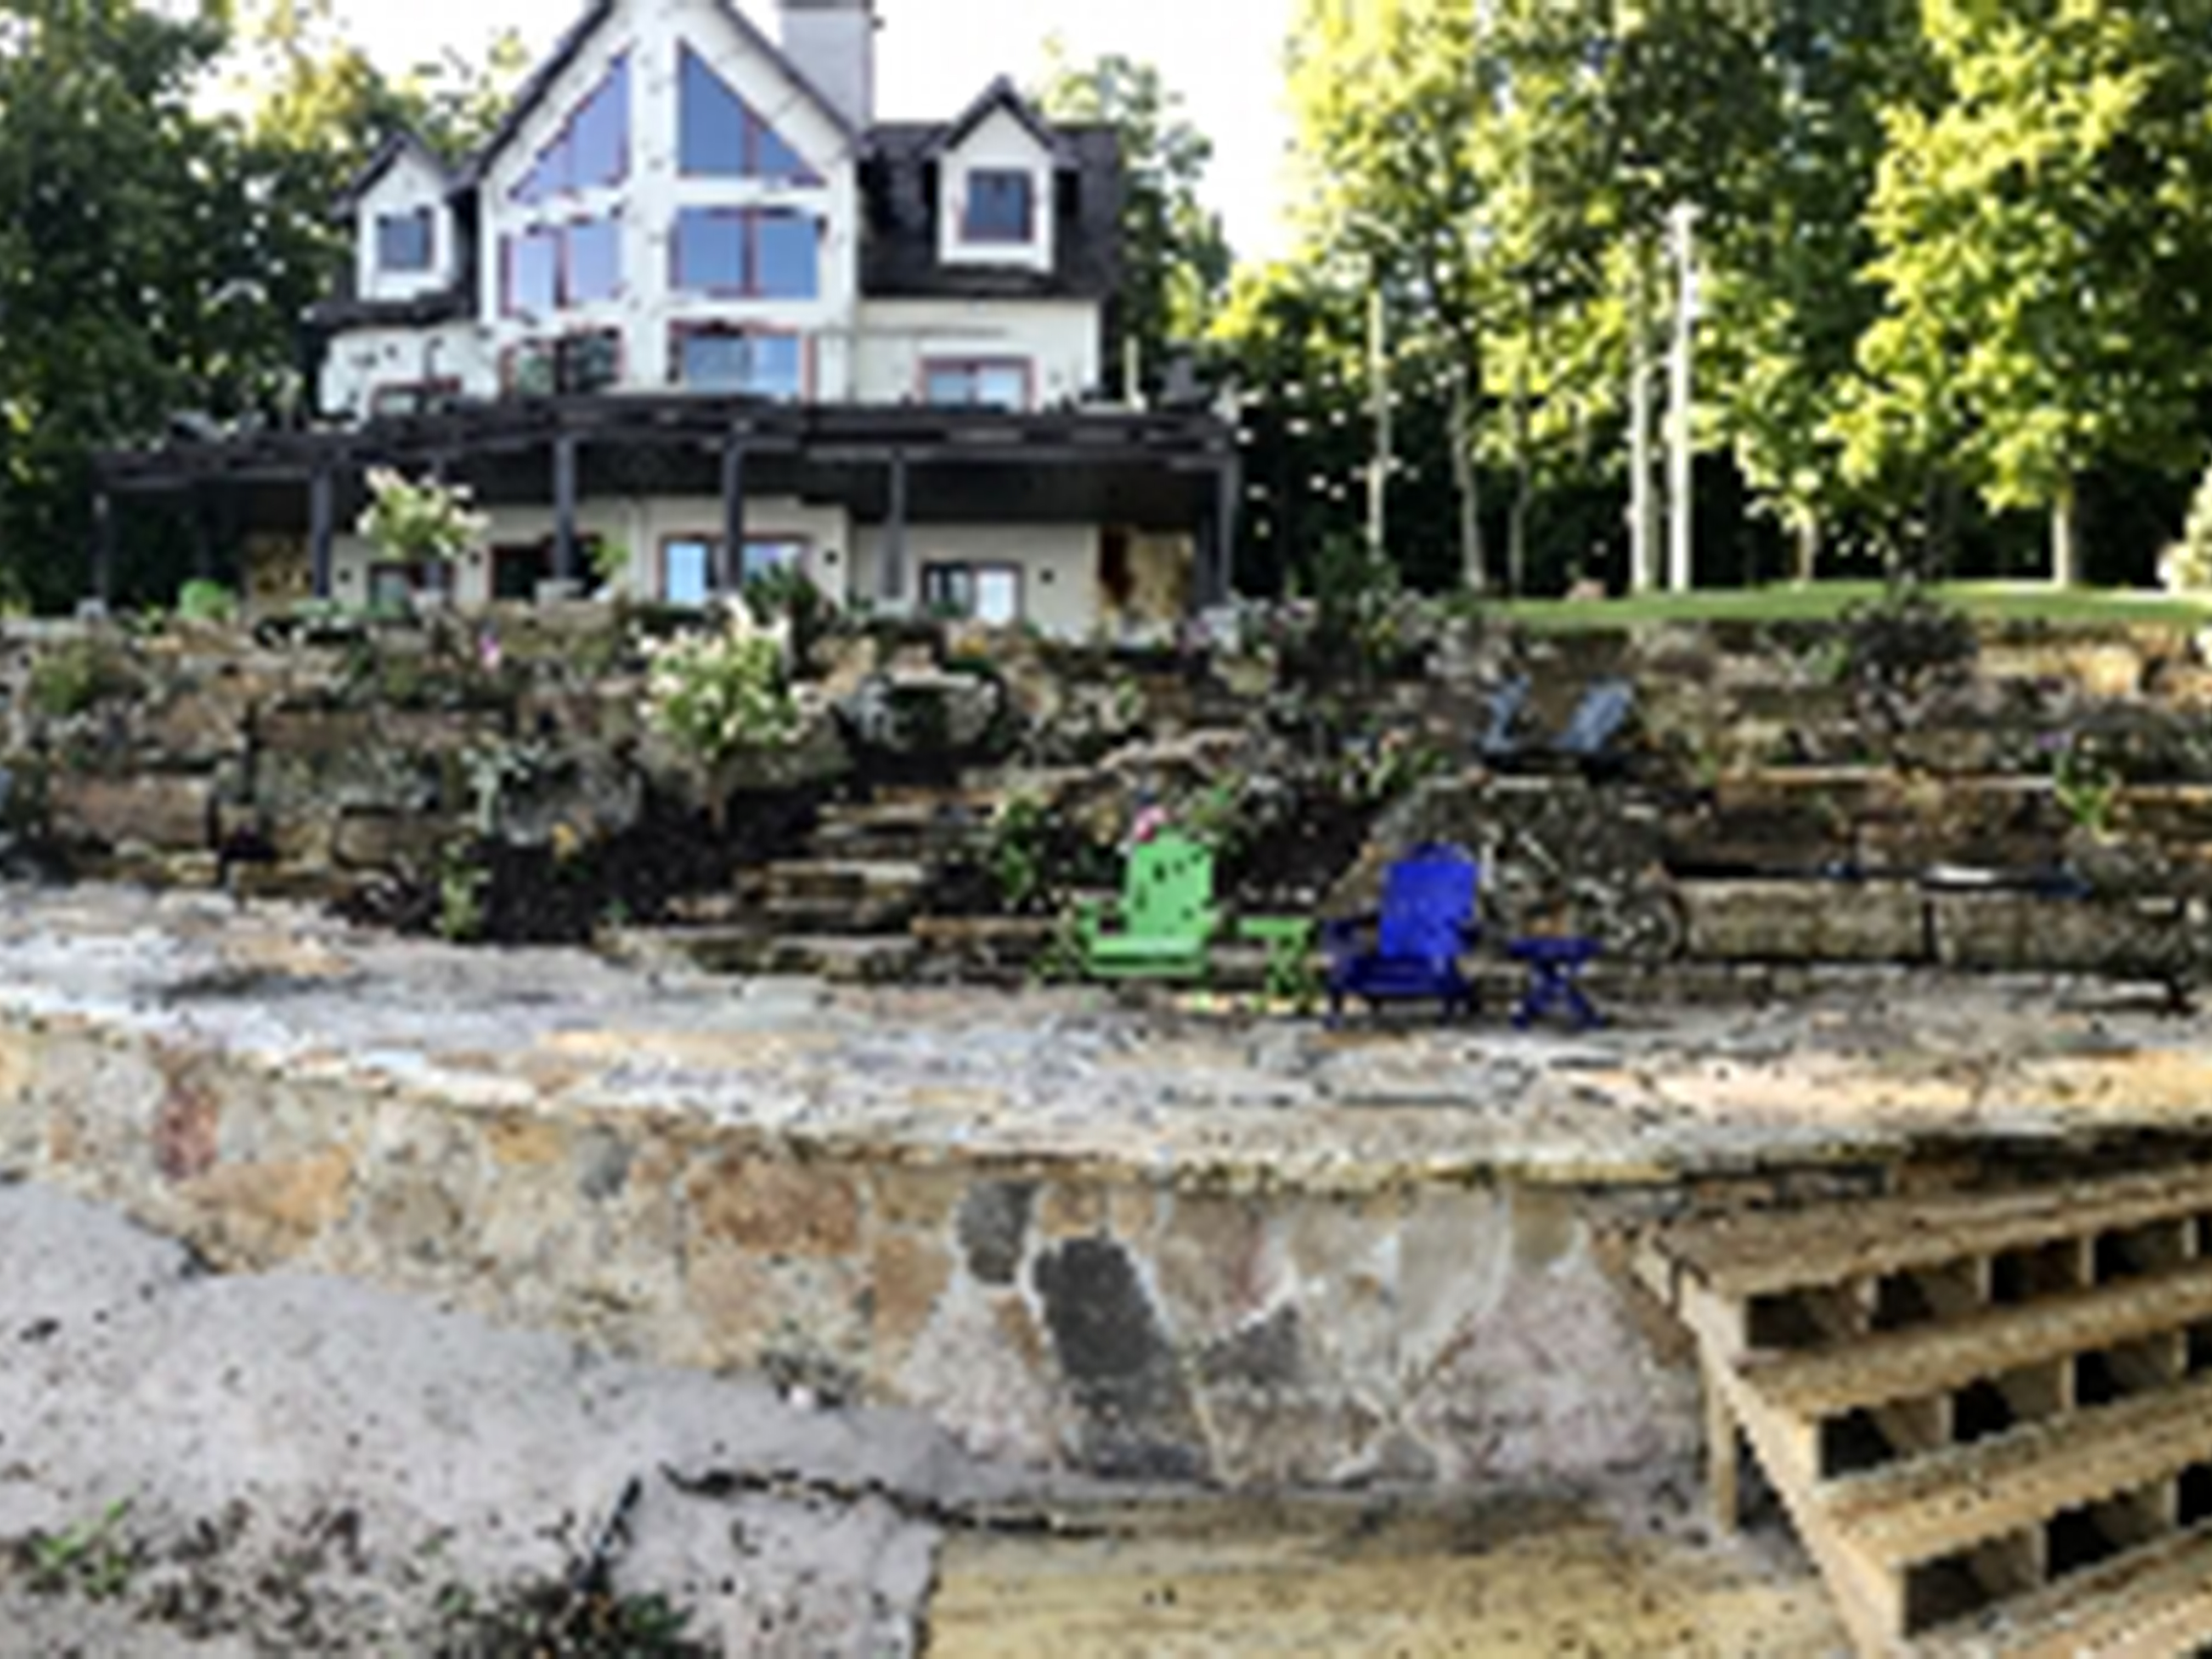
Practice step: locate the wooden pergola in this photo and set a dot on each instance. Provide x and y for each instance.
(893, 466)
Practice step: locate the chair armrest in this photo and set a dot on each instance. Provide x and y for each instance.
(1340, 935)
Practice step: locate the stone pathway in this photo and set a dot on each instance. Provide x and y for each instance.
(1863, 1064)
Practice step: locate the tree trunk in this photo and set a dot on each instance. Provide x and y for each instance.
(1517, 524)
(1806, 524)
(1643, 559)
(1464, 482)
(2065, 553)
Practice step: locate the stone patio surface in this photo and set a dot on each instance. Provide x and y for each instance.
(1866, 1063)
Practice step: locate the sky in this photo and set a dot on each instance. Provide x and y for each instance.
(933, 56)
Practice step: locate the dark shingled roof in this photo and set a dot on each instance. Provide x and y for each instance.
(1001, 94)
(898, 240)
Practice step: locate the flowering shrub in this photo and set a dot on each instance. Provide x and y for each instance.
(409, 522)
(715, 695)
(2186, 567)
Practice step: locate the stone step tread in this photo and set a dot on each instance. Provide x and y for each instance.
(1937, 1505)
(1757, 1254)
(882, 872)
(823, 916)
(1930, 1359)
(2151, 1601)
(892, 815)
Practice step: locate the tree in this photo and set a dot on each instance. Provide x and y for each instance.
(1175, 260)
(119, 214)
(2041, 234)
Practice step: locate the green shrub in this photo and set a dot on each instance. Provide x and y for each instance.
(200, 600)
(714, 695)
(76, 677)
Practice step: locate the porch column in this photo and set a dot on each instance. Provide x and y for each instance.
(564, 508)
(103, 549)
(890, 581)
(1214, 577)
(202, 542)
(321, 490)
(730, 558)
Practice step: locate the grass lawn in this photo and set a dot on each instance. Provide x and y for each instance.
(1789, 602)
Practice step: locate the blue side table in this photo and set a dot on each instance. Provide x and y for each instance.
(1555, 964)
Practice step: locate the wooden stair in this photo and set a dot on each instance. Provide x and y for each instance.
(1988, 1414)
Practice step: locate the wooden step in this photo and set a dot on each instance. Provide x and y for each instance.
(1936, 1358)
(1944, 1503)
(2151, 1603)
(1763, 1252)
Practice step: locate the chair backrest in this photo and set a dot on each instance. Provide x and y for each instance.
(1428, 902)
(1597, 720)
(1508, 701)
(1167, 887)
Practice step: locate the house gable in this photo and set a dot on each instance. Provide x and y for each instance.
(403, 232)
(997, 196)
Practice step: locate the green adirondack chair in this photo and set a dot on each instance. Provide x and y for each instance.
(1166, 912)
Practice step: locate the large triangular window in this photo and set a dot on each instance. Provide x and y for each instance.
(592, 147)
(719, 135)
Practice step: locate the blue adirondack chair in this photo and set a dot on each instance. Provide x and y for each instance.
(1428, 917)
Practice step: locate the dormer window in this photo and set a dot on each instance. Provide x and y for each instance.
(403, 241)
(999, 207)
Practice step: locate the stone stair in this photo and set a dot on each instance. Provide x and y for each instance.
(1989, 1415)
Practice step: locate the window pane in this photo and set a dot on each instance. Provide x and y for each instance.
(998, 206)
(594, 260)
(686, 567)
(943, 385)
(530, 371)
(784, 244)
(390, 584)
(534, 271)
(948, 590)
(710, 252)
(763, 557)
(599, 134)
(710, 123)
(587, 362)
(714, 360)
(774, 370)
(773, 159)
(1001, 385)
(403, 241)
(997, 595)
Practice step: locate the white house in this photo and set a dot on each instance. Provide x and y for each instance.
(694, 312)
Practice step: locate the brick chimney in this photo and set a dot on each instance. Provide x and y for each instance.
(833, 44)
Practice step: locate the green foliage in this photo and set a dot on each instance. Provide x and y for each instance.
(76, 677)
(609, 559)
(90, 1559)
(716, 695)
(1018, 853)
(1175, 259)
(2186, 567)
(462, 881)
(411, 521)
(2085, 788)
(204, 601)
(788, 596)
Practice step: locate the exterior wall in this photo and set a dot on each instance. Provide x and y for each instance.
(639, 523)
(653, 191)
(998, 142)
(363, 359)
(1058, 338)
(1059, 564)
(408, 182)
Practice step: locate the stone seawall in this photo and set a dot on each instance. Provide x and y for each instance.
(1041, 1312)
